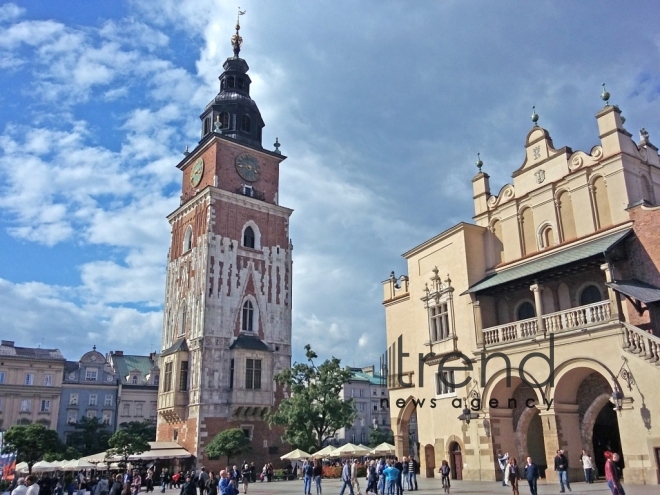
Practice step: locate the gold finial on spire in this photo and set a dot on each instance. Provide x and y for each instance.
(236, 40)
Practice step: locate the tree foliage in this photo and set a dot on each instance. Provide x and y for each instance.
(125, 444)
(314, 411)
(91, 436)
(228, 443)
(380, 435)
(31, 443)
(146, 429)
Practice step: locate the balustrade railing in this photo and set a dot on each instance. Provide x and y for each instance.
(568, 319)
(640, 342)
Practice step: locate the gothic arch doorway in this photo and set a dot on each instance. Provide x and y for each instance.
(405, 440)
(429, 457)
(456, 461)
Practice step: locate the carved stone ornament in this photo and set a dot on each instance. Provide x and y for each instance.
(540, 176)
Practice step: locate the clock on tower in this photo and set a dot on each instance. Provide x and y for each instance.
(227, 318)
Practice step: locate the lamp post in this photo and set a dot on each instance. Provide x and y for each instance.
(617, 399)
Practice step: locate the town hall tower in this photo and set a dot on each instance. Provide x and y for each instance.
(227, 320)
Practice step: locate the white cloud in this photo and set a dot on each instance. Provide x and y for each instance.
(10, 11)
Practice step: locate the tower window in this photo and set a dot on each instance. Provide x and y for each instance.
(241, 83)
(224, 120)
(207, 126)
(223, 84)
(248, 238)
(183, 376)
(248, 316)
(245, 123)
(253, 374)
(230, 82)
(187, 239)
(231, 374)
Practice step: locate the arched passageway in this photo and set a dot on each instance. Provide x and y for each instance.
(456, 461)
(429, 458)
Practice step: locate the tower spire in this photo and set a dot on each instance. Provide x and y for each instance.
(236, 40)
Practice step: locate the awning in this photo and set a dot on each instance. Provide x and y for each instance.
(550, 262)
(636, 289)
(179, 453)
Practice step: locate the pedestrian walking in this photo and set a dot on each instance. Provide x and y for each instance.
(212, 484)
(532, 475)
(399, 483)
(372, 478)
(392, 477)
(246, 476)
(587, 466)
(502, 461)
(318, 475)
(164, 478)
(202, 478)
(612, 474)
(561, 466)
(354, 478)
(381, 476)
(346, 478)
(512, 475)
(225, 485)
(117, 485)
(136, 484)
(308, 474)
(404, 473)
(412, 472)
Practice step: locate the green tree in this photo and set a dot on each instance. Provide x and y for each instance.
(31, 443)
(228, 443)
(145, 429)
(67, 453)
(90, 436)
(124, 444)
(380, 435)
(314, 411)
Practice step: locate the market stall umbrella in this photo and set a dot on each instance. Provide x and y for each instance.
(22, 467)
(42, 466)
(350, 450)
(57, 465)
(384, 448)
(364, 447)
(78, 465)
(295, 455)
(324, 452)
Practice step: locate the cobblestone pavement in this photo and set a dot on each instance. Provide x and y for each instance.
(433, 486)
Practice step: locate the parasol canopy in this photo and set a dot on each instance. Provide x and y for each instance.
(296, 454)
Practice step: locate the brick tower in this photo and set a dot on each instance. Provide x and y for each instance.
(227, 322)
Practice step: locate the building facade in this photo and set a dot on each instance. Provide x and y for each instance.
(541, 317)
(89, 389)
(227, 321)
(138, 379)
(30, 385)
(368, 389)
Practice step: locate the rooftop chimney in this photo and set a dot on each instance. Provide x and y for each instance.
(8, 343)
(118, 353)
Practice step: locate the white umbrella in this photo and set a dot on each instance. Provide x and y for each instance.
(296, 454)
(384, 448)
(42, 466)
(22, 467)
(78, 465)
(324, 452)
(350, 450)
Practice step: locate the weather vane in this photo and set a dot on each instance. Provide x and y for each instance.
(236, 40)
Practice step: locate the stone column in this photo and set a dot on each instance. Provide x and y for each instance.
(615, 298)
(478, 325)
(538, 303)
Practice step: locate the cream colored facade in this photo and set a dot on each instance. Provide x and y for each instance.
(563, 261)
(30, 385)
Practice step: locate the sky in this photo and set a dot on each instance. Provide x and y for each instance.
(381, 107)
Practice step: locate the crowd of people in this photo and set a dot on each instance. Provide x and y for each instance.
(512, 472)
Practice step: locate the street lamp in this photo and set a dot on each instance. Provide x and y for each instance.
(617, 399)
(467, 414)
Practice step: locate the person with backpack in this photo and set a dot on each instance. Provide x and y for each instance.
(308, 473)
(444, 474)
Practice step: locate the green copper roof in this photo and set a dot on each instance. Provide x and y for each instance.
(376, 379)
(550, 262)
(125, 364)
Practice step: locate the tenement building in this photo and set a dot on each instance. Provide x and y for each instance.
(138, 378)
(542, 317)
(368, 389)
(30, 385)
(227, 321)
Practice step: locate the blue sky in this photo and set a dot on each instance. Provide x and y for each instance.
(381, 107)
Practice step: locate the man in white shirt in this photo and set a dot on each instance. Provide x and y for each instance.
(588, 466)
(33, 487)
(20, 489)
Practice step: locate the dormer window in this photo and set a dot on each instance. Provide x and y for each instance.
(245, 123)
(248, 238)
(134, 380)
(248, 316)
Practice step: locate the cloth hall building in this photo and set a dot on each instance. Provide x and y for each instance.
(558, 272)
(227, 323)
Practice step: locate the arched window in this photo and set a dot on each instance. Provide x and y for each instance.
(564, 297)
(526, 311)
(498, 243)
(245, 123)
(182, 319)
(241, 83)
(248, 237)
(528, 231)
(548, 237)
(224, 120)
(590, 295)
(601, 203)
(230, 82)
(565, 207)
(187, 239)
(248, 316)
(134, 380)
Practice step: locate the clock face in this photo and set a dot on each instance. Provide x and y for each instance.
(72, 376)
(247, 167)
(109, 378)
(196, 172)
